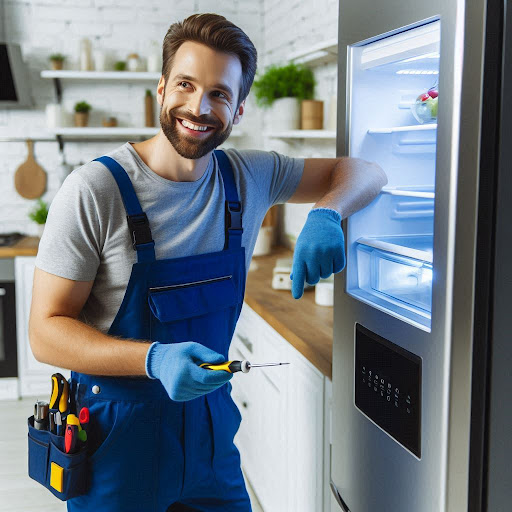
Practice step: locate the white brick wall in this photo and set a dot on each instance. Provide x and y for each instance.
(307, 23)
(120, 27)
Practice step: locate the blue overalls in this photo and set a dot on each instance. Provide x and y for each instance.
(148, 452)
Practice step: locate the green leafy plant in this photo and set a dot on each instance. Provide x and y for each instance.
(148, 92)
(40, 212)
(82, 106)
(57, 57)
(120, 65)
(291, 80)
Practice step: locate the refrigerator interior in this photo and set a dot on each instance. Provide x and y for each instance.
(390, 243)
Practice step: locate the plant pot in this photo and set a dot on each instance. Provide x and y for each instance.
(40, 229)
(81, 118)
(57, 64)
(284, 114)
(312, 115)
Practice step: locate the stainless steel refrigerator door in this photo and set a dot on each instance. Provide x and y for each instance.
(369, 469)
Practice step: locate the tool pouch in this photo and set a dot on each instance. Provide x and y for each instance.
(64, 474)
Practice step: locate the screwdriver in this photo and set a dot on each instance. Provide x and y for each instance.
(237, 366)
(60, 393)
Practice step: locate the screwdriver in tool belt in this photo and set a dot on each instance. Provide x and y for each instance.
(237, 366)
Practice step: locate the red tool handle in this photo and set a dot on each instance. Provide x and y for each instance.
(70, 438)
(83, 416)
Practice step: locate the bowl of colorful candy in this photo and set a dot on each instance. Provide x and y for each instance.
(424, 109)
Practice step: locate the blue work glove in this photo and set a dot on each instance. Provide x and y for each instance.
(176, 365)
(319, 251)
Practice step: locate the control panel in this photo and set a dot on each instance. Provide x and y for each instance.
(388, 387)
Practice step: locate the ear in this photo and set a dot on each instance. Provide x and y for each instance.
(239, 113)
(160, 90)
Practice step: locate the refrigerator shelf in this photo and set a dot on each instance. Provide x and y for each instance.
(399, 129)
(418, 247)
(414, 139)
(422, 193)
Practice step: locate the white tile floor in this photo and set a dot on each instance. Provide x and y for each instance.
(18, 492)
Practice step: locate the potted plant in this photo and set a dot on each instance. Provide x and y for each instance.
(82, 113)
(57, 60)
(120, 65)
(39, 215)
(283, 88)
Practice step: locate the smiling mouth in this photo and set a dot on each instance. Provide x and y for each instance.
(208, 128)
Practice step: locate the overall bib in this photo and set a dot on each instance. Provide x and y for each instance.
(149, 453)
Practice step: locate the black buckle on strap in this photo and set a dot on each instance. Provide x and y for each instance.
(234, 215)
(139, 229)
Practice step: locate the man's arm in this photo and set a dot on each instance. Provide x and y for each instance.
(339, 187)
(344, 184)
(59, 339)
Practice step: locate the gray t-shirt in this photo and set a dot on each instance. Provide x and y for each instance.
(86, 235)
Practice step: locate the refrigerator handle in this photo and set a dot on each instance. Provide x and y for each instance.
(338, 497)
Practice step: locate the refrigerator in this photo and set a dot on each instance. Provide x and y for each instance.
(421, 415)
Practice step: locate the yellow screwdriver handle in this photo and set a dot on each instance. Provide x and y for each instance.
(222, 366)
(228, 366)
(63, 403)
(55, 392)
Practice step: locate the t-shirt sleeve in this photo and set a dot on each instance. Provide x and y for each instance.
(70, 246)
(277, 175)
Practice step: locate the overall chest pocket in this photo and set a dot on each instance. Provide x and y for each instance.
(190, 310)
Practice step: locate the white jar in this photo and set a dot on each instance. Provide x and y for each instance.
(85, 55)
(53, 115)
(99, 60)
(133, 62)
(155, 58)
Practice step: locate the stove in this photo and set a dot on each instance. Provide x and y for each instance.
(8, 239)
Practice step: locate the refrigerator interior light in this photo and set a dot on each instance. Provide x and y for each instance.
(417, 72)
(424, 40)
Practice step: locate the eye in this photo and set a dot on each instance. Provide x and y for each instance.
(221, 93)
(182, 83)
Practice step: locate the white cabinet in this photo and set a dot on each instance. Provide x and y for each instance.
(282, 436)
(34, 377)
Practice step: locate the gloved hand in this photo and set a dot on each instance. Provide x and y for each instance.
(176, 365)
(319, 251)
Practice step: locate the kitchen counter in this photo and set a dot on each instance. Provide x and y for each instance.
(307, 326)
(26, 246)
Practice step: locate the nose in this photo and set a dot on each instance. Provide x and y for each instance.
(199, 104)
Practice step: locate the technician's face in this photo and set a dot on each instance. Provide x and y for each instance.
(202, 89)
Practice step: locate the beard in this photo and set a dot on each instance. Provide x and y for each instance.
(191, 147)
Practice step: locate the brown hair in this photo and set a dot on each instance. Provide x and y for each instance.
(219, 34)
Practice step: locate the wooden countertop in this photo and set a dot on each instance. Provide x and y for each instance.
(24, 247)
(304, 324)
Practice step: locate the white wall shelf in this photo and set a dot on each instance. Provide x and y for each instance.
(105, 133)
(113, 132)
(101, 75)
(302, 134)
(322, 53)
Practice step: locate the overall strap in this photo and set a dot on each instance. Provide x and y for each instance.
(233, 212)
(138, 224)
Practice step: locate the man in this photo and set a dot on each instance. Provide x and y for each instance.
(118, 305)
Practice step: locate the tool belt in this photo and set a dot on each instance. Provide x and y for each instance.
(64, 474)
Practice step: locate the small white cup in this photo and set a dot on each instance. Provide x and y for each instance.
(324, 292)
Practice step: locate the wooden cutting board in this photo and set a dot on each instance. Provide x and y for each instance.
(30, 177)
